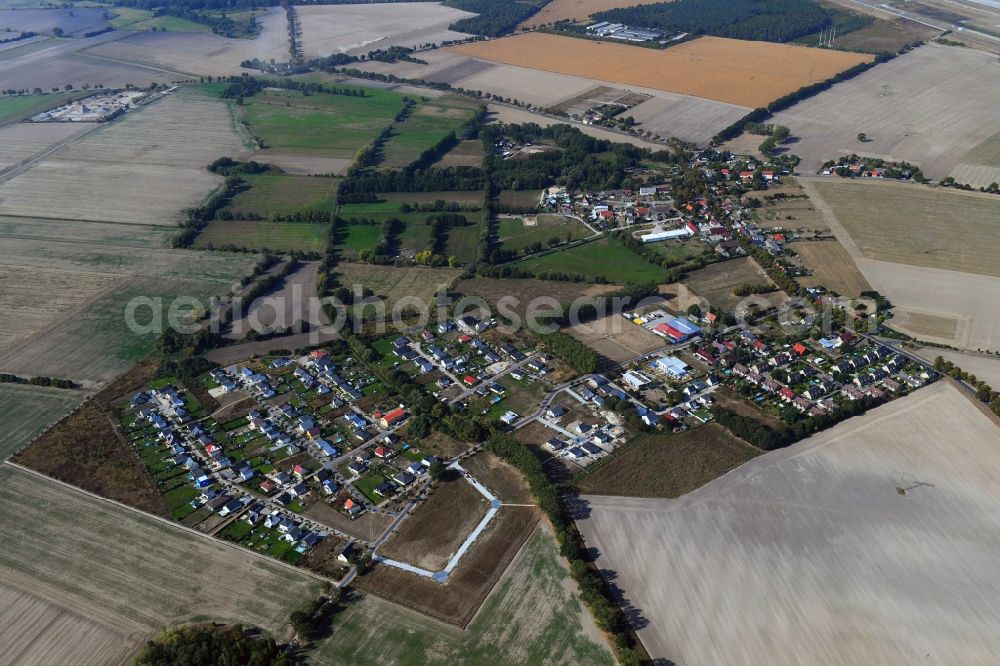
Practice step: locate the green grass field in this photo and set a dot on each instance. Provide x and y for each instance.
(354, 237)
(533, 616)
(285, 194)
(426, 125)
(17, 107)
(285, 236)
(603, 258)
(319, 125)
(516, 236)
(26, 410)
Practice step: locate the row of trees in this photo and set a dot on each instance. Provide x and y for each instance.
(493, 17)
(984, 392)
(593, 590)
(6, 378)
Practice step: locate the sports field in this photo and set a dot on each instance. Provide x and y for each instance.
(813, 553)
(516, 235)
(920, 226)
(100, 578)
(532, 616)
(728, 70)
(604, 258)
(278, 236)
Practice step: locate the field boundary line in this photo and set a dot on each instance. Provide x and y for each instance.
(167, 522)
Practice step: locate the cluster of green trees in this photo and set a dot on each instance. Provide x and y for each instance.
(575, 354)
(761, 20)
(6, 378)
(748, 288)
(227, 166)
(777, 135)
(494, 17)
(984, 392)
(211, 644)
(312, 619)
(365, 187)
(248, 86)
(593, 590)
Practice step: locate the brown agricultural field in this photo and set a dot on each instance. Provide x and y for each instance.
(577, 10)
(466, 153)
(492, 290)
(831, 267)
(716, 282)
(458, 601)
(920, 226)
(102, 578)
(728, 70)
(433, 531)
(667, 465)
(88, 449)
(616, 338)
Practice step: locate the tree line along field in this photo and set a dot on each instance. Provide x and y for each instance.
(739, 72)
(109, 577)
(604, 259)
(318, 125)
(425, 126)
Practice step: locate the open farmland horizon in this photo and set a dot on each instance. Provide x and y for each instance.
(797, 555)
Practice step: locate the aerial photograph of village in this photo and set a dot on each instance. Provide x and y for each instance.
(513, 332)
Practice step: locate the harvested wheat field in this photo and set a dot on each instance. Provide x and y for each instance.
(99, 579)
(362, 28)
(876, 541)
(23, 141)
(143, 168)
(921, 226)
(831, 267)
(728, 70)
(933, 107)
(616, 338)
(577, 10)
(940, 306)
(201, 52)
(984, 366)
